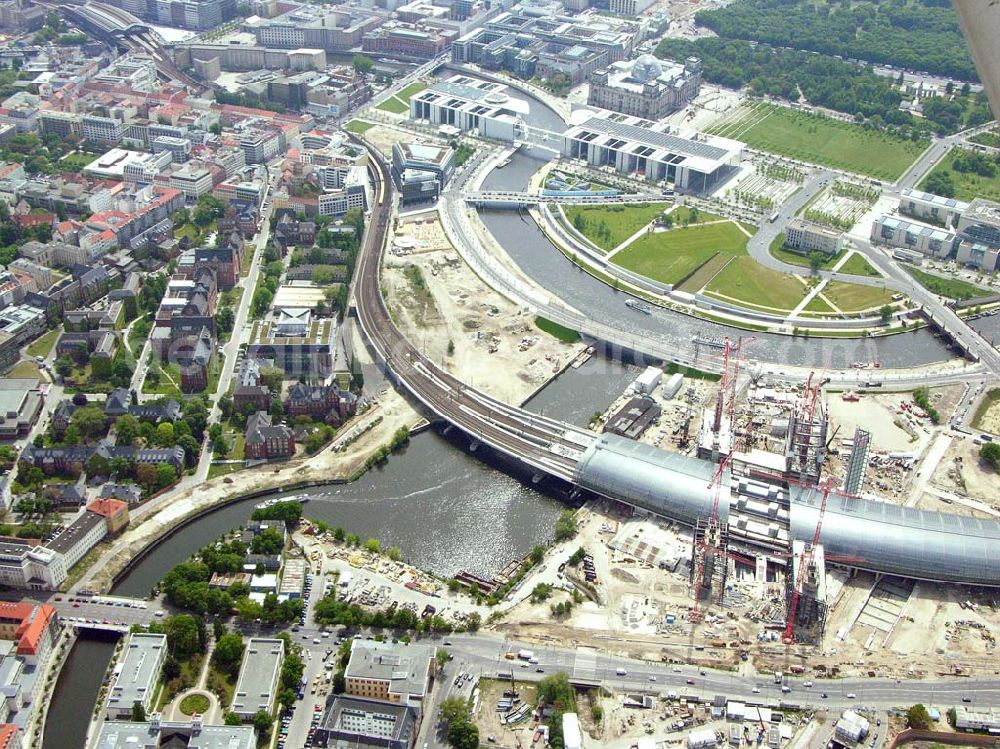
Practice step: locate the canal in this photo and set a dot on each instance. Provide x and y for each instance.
(76, 691)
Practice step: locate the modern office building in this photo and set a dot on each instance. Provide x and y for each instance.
(930, 241)
(135, 682)
(531, 44)
(978, 235)
(257, 685)
(930, 207)
(803, 237)
(646, 87)
(654, 152)
(421, 170)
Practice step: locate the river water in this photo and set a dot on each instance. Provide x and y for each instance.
(442, 506)
(539, 259)
(76, 691)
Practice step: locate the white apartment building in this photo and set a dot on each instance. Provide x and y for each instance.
(194, 181)
(102, 130)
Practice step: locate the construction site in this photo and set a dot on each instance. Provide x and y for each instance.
(755, 541)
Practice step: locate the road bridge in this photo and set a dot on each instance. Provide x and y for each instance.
(670, 485)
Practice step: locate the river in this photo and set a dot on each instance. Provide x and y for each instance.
(443, 507)
(527, 246)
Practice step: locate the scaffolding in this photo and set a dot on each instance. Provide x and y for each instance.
(805, 450)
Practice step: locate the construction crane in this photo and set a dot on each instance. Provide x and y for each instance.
(804, 563)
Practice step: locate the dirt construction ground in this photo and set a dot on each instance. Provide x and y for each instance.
(451, 315)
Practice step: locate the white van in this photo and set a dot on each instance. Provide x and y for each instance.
(621, 671)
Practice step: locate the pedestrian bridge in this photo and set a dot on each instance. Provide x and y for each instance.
(505, 200)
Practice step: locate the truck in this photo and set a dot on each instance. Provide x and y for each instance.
(778, 677)
(525, 655)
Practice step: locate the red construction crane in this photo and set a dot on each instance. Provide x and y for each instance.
(805, 563)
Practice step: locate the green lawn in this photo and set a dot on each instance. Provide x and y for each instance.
(989, 138)
(819, 304)
(609, 226)
(949, 287)
(564, 334)
(822, 140)
(671, 256)
(358, 127)
(700, 278)
(24, 369)
(684, 216)
(853, 297)
(968, 185)
(394, 105)
(858, 265)
(747, 281)
(411, 90)
(169, 383)
(195, 703)
(44, 343)
(75, 162)
(777, 249)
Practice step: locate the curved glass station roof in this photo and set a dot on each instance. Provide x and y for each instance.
(859, 533)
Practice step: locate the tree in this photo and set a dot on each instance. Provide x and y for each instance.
(138, 712)
(121, 373)
(441, 656)
(940, 183)
(537, 554)
(127, 429)
(232, 719)
(262, 721)
(228, 651)
(268, 541)
(463, 734)
(816, 261)
(215, 128)
(225, 319)
(990, 454)
(362, 64)
(183, 638)
(208, 208)
(565, 525)
(453, 709)
(64, 366)
(473, 621)
(918, 718)
(165, 434)
(146, 474)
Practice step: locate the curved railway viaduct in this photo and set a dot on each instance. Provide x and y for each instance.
(857, 533)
